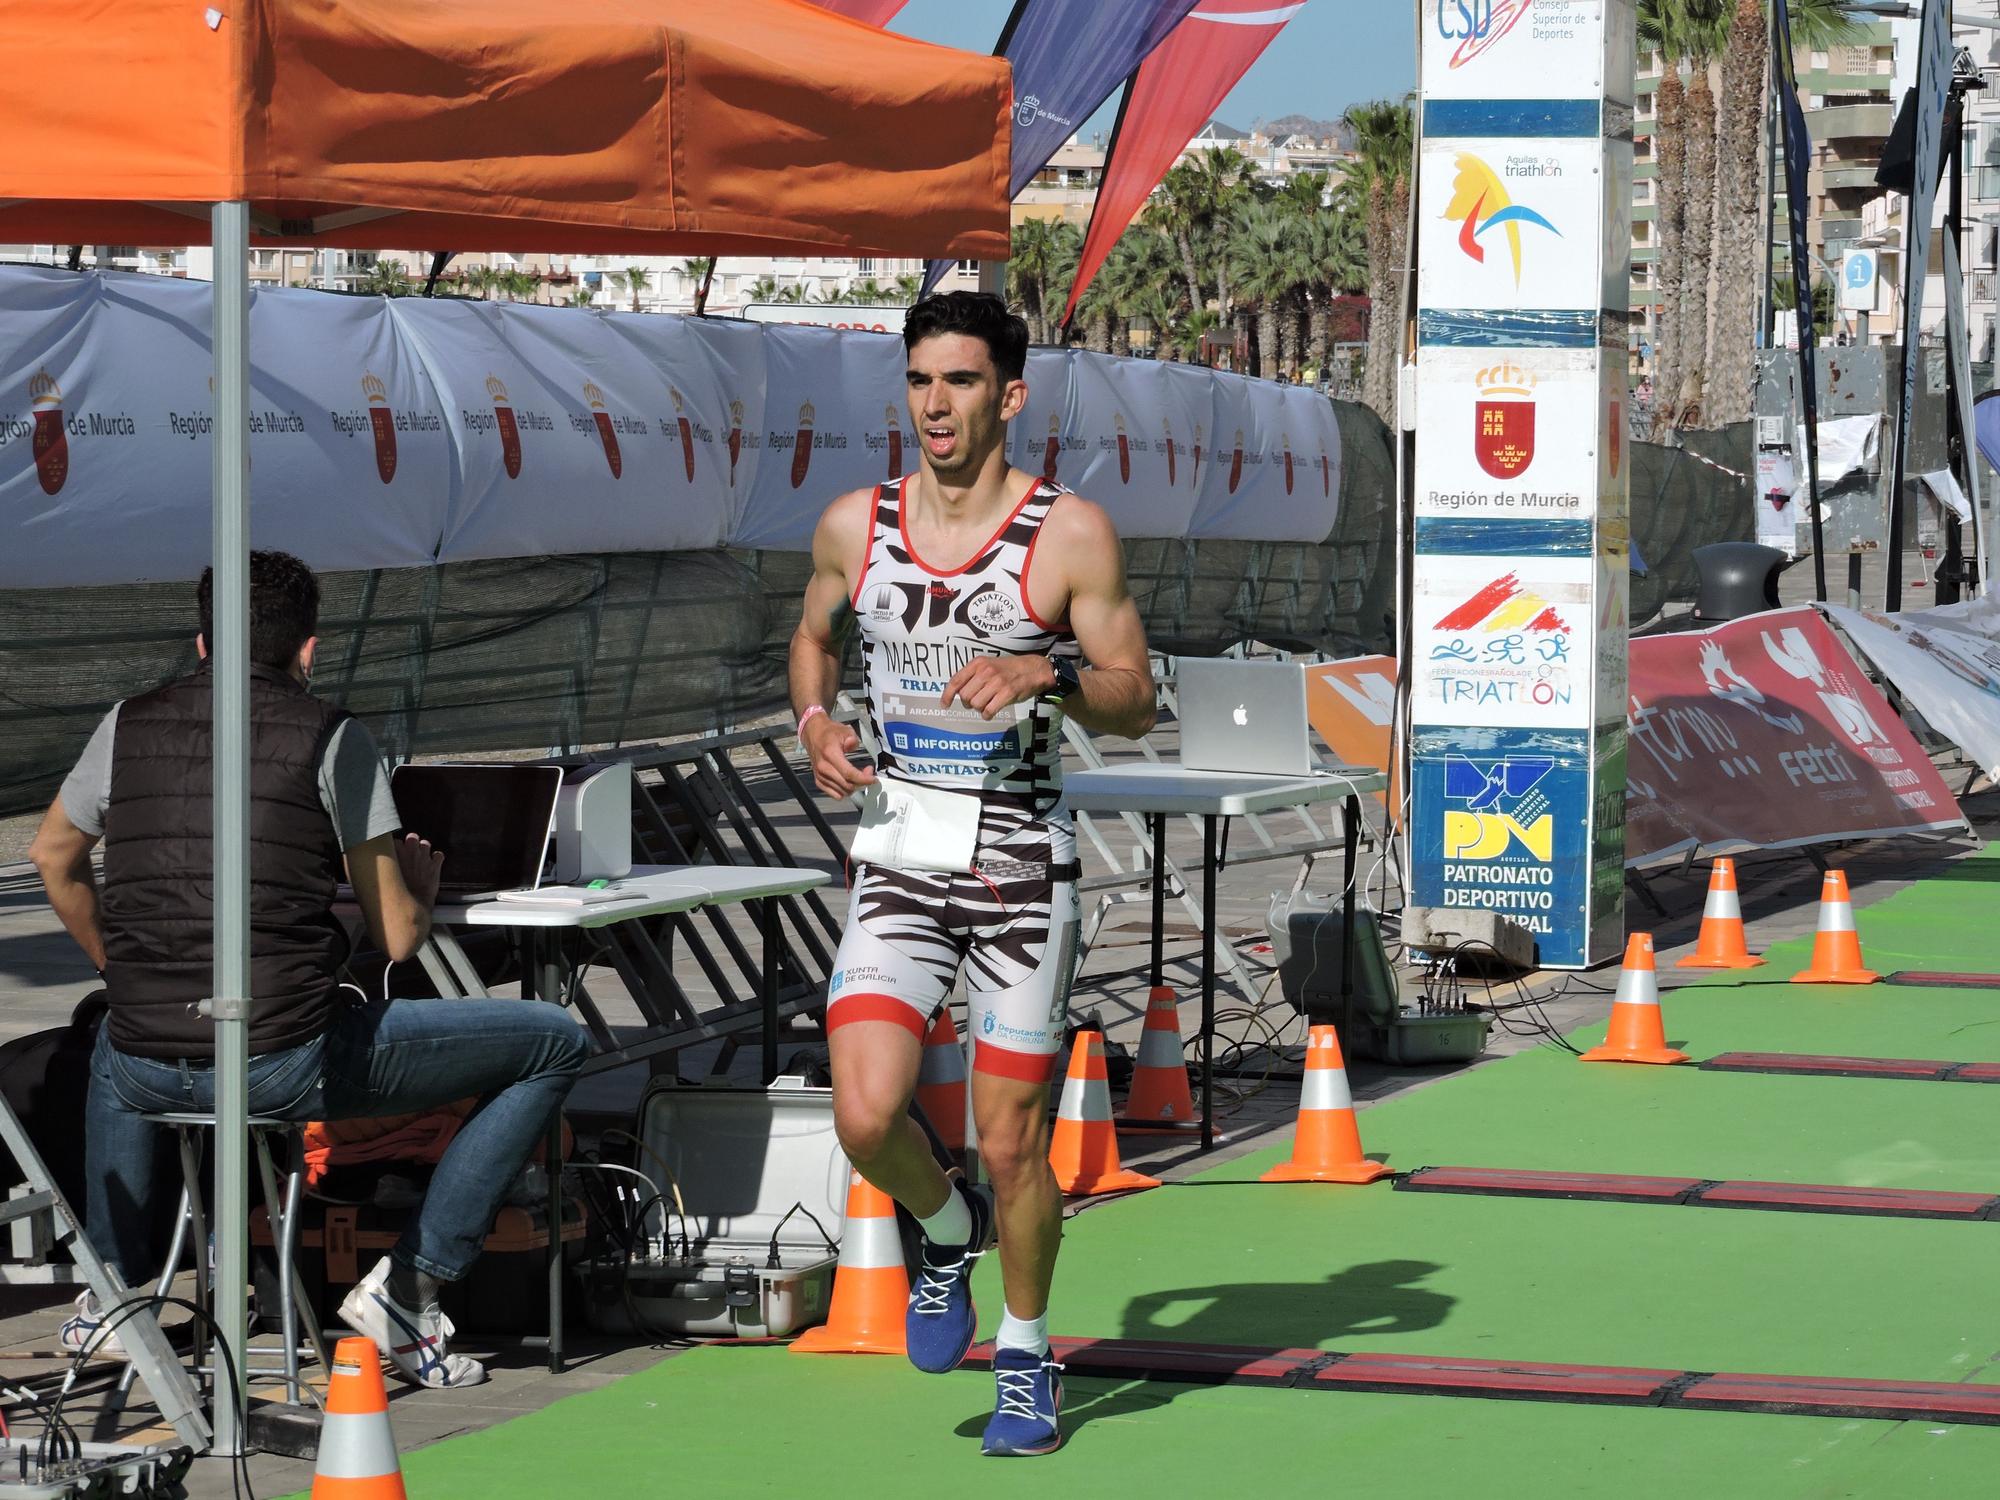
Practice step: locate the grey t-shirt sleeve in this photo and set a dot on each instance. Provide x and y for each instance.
(86, 791)
(354, 786)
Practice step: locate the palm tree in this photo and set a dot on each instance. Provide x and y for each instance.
(1337, 258)
(908, 286)
(1709, 204)
(478, 280)
(387, 278)
(1384, 136)
(1034, 254)
(699, 270)
(633, 279)
(763, 289)
(581, 296)
(1265, 261)
(1141, 261)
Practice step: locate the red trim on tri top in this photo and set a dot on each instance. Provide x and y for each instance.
(864, 1005)
(903, 527)
(1004, 1062)
(1027, 566)
(868, 548)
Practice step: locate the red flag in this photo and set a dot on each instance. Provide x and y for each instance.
(874, 12)
(1174, 93)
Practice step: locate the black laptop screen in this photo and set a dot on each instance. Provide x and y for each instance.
(491, 822)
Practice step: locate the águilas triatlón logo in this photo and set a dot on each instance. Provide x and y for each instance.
(1506, 604)
(1477, 23)
(1503, 429)
(1479, 202)
(595, 397)
(510, 433)
(383, 422)
(50, 444)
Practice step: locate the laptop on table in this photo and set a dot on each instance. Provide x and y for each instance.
(492, 823)
(1247, 716)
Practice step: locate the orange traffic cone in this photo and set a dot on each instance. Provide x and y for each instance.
(1637, 1034)
(1084, 1148)
(1721, 944)
(1326, 1147)
(871, 1285)
(941, 1080)
(1836, 946)
(1159, 1098)
(357, 1451)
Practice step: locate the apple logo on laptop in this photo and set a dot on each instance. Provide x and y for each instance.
(1240, 716)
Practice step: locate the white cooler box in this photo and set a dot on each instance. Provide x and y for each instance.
(745, 1159)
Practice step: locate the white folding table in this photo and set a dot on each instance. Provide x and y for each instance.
(1160, 789)
(544, 929)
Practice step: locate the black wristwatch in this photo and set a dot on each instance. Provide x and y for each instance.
(1068, 681)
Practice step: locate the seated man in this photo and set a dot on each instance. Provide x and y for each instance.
(317, 793)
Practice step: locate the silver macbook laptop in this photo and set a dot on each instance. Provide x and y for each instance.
(1238, 715)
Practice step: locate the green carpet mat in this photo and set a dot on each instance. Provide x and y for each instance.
(1223, 1259)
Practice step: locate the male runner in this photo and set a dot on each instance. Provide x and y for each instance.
(976, 587)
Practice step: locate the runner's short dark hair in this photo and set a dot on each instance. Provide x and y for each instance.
(284, 607)
(980, 315)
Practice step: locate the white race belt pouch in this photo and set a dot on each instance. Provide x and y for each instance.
(911, 826)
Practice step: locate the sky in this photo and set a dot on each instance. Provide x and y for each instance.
(1333, 54)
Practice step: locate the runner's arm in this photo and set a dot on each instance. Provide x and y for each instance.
(826, 620)
(1117, 696)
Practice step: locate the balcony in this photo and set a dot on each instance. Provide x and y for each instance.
(1841, 122)
(1842, 177)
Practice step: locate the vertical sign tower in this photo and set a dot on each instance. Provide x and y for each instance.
(1517, 614)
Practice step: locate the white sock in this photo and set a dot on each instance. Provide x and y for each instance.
(952, 1224)
(1031, 1334)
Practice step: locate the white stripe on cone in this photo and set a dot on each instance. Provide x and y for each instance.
(1638, 987)
(1724, 904)
(1159, 1049)
(1325, 1088)
(356, 1445)
(1085, 1099)
(1836, 916)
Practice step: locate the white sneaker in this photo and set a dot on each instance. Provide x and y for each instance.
(414, 1341)
(84, 1331)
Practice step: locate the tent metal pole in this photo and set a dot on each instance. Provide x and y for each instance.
(230, 500)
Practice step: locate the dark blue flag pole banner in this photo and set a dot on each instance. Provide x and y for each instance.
(1934, 53)
(1798, 162)
(1068, 56)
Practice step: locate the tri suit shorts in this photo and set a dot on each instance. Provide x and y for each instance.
(1011, 925)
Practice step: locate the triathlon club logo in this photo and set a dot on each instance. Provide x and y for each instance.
(1503, 420)
(383, 422)
(1477, 24)
(51, 444)
(1480, 203)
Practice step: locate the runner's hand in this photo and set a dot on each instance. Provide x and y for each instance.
(991, 683)
(420, 865)
(829, 747)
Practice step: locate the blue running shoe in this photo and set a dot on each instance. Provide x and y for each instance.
(1029, 1400)
(939, 1323)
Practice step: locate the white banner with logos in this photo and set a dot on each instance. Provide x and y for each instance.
(1946, 664)
(395, 433)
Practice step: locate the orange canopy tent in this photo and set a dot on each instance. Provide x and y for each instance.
(709, 126)
(675, 126)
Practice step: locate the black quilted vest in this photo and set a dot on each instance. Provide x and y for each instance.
(158, 890)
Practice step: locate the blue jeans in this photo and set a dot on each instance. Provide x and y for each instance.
(518, 1057)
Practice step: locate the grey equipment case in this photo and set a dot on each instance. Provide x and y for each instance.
(755, 1168)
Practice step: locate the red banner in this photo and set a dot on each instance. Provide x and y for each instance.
(874, 12)
(1763, 733)
(1173, 95)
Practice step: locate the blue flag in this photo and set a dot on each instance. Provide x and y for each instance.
(1068, 57)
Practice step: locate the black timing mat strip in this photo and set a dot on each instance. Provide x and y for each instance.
(1792, 1197)
(1606, 1385)
(1944, 979)
(1814, 1065)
